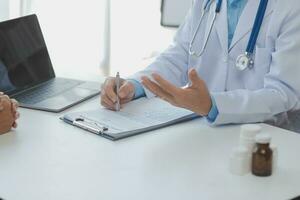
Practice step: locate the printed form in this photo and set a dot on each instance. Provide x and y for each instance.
(136, 115)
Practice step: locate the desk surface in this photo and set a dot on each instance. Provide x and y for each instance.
(46, 159)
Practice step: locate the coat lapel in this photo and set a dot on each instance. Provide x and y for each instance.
(247, 19)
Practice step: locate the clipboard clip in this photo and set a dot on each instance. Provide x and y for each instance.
(90, 125)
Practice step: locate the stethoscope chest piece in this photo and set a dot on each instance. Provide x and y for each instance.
(243, 62)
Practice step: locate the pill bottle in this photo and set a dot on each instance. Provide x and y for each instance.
(247, 136)
(240, 161)
(262, 156)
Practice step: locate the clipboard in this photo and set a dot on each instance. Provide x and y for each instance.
(130, 121)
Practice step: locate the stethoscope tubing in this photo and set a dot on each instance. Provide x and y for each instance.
(205, 10)
(257, 26)
(254, 34)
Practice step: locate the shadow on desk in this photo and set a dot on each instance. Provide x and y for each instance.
(293, 122)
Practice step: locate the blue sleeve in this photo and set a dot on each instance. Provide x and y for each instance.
(214, 112)
(138, 88)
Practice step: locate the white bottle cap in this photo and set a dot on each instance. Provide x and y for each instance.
(250, 130)
(263, 138)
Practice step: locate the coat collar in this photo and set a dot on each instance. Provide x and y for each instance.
(244, 25)
(247, 19)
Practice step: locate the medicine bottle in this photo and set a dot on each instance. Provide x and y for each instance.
(240, 161)
(262, 156)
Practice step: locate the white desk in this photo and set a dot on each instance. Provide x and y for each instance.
(46, 159)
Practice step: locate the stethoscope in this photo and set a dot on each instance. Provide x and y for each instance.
(245, 60)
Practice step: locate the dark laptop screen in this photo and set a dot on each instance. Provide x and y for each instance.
(24, 58)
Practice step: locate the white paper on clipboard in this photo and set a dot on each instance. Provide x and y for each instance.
(136, 117)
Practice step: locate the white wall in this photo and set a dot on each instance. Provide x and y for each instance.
(136, 34)
(73, 32)
(4, 9)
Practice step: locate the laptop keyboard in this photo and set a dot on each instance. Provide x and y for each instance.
(46, 91)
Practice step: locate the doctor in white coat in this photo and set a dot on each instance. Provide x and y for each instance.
(210, 84)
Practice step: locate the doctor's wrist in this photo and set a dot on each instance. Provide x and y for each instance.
(207, 107)
(138, 88)
(214, 112)
(203, 108)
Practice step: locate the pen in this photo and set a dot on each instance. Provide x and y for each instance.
(117, 91)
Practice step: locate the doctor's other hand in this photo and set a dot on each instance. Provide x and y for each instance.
(109, 96)
(8, 113)
(195, 97)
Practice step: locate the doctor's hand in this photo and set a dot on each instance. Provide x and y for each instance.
(195, 97)
(109, 96)
(8, 113)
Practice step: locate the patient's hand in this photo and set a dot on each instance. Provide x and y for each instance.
(8, 113)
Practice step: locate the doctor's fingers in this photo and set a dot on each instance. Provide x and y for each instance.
(126, 90)
(109, 89)
(194, 78)
(109, 107)
(166, 85)
(126, 100)
(106, 100)
(113, 108)
(157, 90)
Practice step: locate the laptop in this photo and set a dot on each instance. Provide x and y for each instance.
(26, 72)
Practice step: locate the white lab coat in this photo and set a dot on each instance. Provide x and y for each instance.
(264, 93)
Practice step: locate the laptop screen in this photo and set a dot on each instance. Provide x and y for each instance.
(24, 58)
